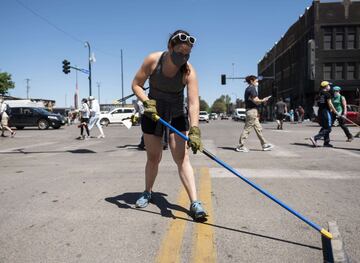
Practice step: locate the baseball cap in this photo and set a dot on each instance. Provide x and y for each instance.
(325, 83)
(336, 88)
(91, 98)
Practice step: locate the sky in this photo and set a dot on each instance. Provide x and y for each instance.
(232, 36)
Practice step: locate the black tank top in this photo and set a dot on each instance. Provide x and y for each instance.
(160, 82)
(168, 93)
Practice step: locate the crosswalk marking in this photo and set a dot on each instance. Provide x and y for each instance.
(284, 173)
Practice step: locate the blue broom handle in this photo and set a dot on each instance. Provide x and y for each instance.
(229, 168)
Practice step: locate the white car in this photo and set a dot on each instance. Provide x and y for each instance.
(239, 114)
(203, 116)
(116, 115)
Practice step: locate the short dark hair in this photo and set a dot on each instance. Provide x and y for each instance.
(250, 79)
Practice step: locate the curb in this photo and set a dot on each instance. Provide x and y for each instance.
(334, 249)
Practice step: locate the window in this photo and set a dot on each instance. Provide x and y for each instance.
(128, 110)
(350, 73)
(339, 71)
(339, 38)
(327, 71)
(328, 39)
(351, 38)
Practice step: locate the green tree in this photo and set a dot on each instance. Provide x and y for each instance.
(222, 104)
(218, 106)
(5, 83)
(203, 105)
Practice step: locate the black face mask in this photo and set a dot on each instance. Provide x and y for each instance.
(178, 58)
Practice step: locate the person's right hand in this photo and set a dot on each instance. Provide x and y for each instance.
(150, 109)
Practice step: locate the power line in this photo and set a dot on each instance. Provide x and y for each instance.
(47, 21)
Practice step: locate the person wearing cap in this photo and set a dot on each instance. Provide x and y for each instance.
(324, 115)
(84, 120)
(339, 103)
(95, 116)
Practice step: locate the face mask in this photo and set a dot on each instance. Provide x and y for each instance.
(179, 59)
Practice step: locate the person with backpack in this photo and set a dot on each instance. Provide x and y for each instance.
(5, 114)
(339, 103)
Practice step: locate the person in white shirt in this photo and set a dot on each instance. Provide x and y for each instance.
(95, 116)
(85, 115)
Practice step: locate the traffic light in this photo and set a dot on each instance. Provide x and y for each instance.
(66, 66)
(223, 79)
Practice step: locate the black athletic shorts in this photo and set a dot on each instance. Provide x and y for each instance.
(86, 120)
(280, 116)
(180, 123)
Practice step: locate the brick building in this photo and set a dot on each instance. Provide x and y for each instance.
(323, 44)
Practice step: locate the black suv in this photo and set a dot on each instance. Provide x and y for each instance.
(34, 117)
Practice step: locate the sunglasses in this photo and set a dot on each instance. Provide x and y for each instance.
(185, 38)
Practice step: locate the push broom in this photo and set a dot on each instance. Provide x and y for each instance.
(323, 231)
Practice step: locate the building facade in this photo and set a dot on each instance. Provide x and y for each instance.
(324, 44)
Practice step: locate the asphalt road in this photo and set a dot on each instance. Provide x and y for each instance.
(65, 200)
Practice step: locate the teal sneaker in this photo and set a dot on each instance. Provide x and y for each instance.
(197, 211)
(144, 200)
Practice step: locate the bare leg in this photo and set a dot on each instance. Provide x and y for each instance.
(181, 158)
(154, 153)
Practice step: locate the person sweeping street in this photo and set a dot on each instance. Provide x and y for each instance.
(324, 115)
(169, 72)
(252, 102)
(339, 103)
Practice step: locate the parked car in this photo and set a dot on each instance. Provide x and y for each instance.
(353, 114)
(22, 117)
(203, 116)
(213, 116)
(224, 116)
(116, 115)
(239, 114)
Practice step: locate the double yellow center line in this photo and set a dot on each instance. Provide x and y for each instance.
(203, 248)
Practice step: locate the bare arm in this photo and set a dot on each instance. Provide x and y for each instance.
(258, 101)
(344, 105)
(143, 74)
(193, 97)
(331, 106)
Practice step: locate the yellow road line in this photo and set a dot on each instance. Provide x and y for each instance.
(204, 248)
(171, 245)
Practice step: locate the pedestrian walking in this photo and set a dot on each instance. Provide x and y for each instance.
(169, 72)
(281, 111)
(324, 115)
(95, 116)
(252, 102)
(291, 114)
(4, 118)
(84, 119)
(339, 103)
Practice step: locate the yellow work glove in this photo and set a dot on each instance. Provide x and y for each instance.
(150, 109)
(195, 139)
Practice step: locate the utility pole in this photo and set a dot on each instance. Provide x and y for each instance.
(27, 88)
(98, 85)
(122, 79)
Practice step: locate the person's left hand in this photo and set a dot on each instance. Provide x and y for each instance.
(195, 139)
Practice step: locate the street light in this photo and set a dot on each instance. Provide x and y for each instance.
(87, 44)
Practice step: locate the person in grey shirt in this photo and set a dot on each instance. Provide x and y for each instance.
(281, 111)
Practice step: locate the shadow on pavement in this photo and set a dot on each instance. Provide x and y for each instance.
(22, 151)
(320, 146)
(129, 200)
(160, 201)
(233, 149)
(130, 146)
